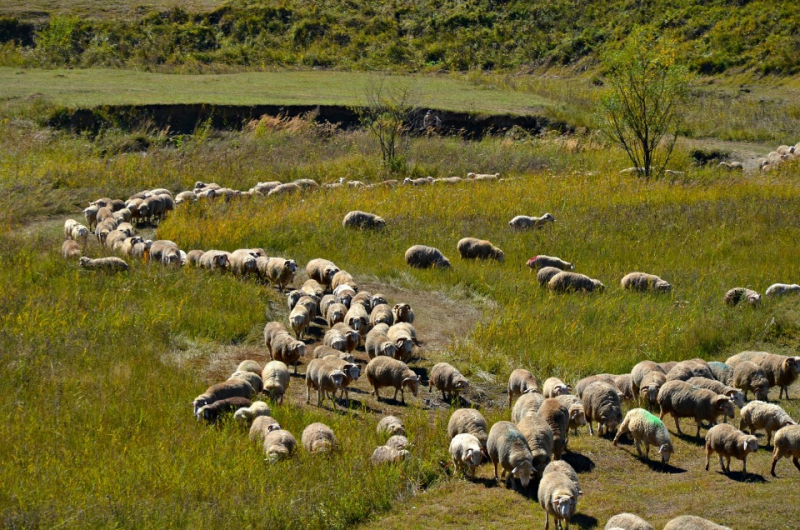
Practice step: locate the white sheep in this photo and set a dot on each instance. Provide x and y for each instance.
(246, 415)
(363, 220)
(546, 274)
(227, 389)
(735, 394)
(523, 222)
(787, 444)
(554, 386)
(758, 415)
(540, 438)
(558, 496)
(541, 261)
(641, 281)
(111, 263)
(647, 428)
(70, 249)
(601, 403)
(252, 378)
(628, 521)
(468, 421)
(448, 380)
(387, 372)
(261, 426)
(424, 257)
(693, 522)
(742, 294)
(727, 441)
(682, 400)
(318, 438)
(465, 450)
(322, 270)
(279, 444)
(527, 403)
(508, 448)
(323, 378)
(568, 282)
(520, 382)
(391, 426)
(781, 289)
(387, 455)
(276, 379)
(473, 248)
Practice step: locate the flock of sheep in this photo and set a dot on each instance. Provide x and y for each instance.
(783, 153)
(531, 446)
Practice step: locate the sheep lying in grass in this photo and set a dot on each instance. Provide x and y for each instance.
(388, 372)
(539, 436)
(692, 522)
(318, 438)
(387, 455)
(787, 444)
(528, 403)
(468, 421)
(70, 249)
(228, 389)
(682, 400)
(424, 257)
(742, 294)
(448, 380)
(524, 222)
(546, 274)
(508, 448)
(568, 282)
(758, 415)
(728, 442)
(276, 380)
(641, 281)
(554, 386)
(520, 382)
(473, 248)
(363, 220)
(279, 444)
(541, 261)
(465, 450)
(111, 264)
(558, 496)
(391, 426)
(628, 521)
(647, 428)
(601, 403)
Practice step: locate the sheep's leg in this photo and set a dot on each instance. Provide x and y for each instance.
(546, 520)
(795, 462)
(319, 397)
(722, 463)
(509, 399)
(744, 464)
(396, 390)
(699, 423)
(402, 396)
(728, 461)
(375, 393)
(638, 449)
(308, 393)
(497, 478)
(677, 423)
(647, 450)
(775, 461)
(708, 457)
(591, 431)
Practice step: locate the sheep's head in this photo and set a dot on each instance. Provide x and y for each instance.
(750, 444)
(443, 263)
(577, 415)
(291, 265)
(547, 218)
(293, 297)
(330, 272)
(378, 299)
(412, 383)
(563, 505)
(762, 393)
(792, 365)
(499, 255)
(723, 405)
(560, 390)
(597, 285)
(662, 286)
(337, 377)
(460, 383)
(352, 370)
(388, 348)
(531, 263)
(85, 262)
(665, 451)
(753, 299)
(298, 348)
(401, 311)
(523, 472)
(473, 457)
(380, 222)
(736, 396)
(612, 420)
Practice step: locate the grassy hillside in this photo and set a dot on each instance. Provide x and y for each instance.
(100, 370)
(712, 37)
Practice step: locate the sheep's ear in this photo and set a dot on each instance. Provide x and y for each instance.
(514, 471)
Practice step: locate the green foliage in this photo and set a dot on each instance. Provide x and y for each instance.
(640, 111)
(387, 115)
(60, 42)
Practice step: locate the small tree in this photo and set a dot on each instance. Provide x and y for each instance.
(387, 115)
(640, 110)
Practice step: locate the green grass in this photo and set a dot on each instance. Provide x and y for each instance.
(116, 9)
(99, 370)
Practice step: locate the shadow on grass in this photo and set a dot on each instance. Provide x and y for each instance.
(739, 476)
(699, 441)
(661, 467)
(579, 462)
(583, 521)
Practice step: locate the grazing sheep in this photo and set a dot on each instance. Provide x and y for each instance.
(403, 340)
(546, 274)
(281, 271)
(647, 428)
(250, 366)
(558, 496)
(228, 389)
(780, 370)
(787, 444)
(628, 521)
(468, 421)
(377, 343)
(588, 380)
(161, 248)
(363, 220)
(577, 415)
(387, 455)
(358, 319)
(682, 400)
(261, 426)
(651, 385)
(520, 382)
(685, 370)
(601, 403)
(284, 189)
(90, 214)
(397, 442)
(299, 319)
(540, 438)
(335, 314)
(323, 378)
(126, 249)
(483, 176)
(749, 376)
(667, 366)
(325, 302)
(252, 378)
(735, 394)
(387, 372)
(641, 281)
(524, 222)
(692, 522)
(758, 415)
(350, 369)
(554, 386)
(322, 271)
(556, 415)
(321, 352)
(111, 263)
(335, 340)
(318, 438)
(351, 336)
(276, 380)
(279, 444)
(287, 349)
(214, 411)
(313, 288)
(243, 262)
(540, 262)
(508, 448)
(344, 295)
(71, 249)
(391, 426)
(246, 415)
(727, 441)
(722, 372)
(742, 294)
(271, 330)
(781, 289)
(624, 384)
(403, 313)
(473, 248)
(215, 259)
(448, 380)
(381, 314)
(342, 278)
(466, 452)
(424, 257)
(568, 282)
(528, 403)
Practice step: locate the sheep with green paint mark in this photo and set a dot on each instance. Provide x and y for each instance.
(646, 428)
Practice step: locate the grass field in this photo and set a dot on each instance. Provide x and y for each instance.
(116, 9)
(99, 370)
